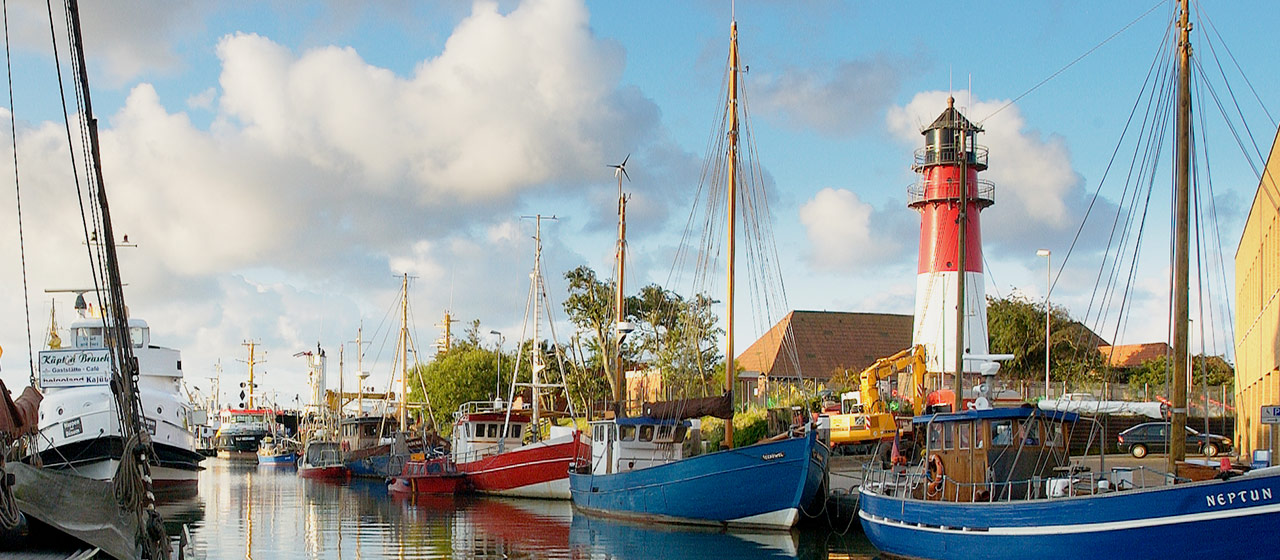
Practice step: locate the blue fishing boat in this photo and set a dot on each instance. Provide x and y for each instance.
(764, 485)
(638, 468)
(997, 484)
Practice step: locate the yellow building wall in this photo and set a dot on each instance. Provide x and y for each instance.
(1258, 311)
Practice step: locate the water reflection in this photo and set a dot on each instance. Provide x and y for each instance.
(244, 511)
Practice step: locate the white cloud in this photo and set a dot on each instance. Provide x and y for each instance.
(844, 100)
(323, 176)
(842, 234)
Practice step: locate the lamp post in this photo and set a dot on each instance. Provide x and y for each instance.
(497, 392)
(1048, 312)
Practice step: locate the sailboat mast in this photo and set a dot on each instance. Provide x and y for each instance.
(1182, 226)
(535, 353)
(962, 240)
(620, 302)
(729, 369)
(404, 353)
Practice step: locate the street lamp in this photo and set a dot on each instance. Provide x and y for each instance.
(497, 392)
(1048, 312)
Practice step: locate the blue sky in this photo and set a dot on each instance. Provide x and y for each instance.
(279, 163)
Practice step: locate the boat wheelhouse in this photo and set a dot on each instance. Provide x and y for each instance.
(375, 447)
(241, 430)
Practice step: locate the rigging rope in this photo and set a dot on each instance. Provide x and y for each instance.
(1072, 63)
(17, 187)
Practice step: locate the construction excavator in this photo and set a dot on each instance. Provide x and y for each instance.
(865, 417)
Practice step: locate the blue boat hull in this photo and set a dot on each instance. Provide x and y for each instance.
(284, 460)
(1211, 519)
(764, 485)
(377, 466)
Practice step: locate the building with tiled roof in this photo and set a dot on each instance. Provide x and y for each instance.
(1123, 356)
(814, 345)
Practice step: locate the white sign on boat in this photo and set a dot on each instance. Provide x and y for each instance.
(75, 368)
(1271, 414)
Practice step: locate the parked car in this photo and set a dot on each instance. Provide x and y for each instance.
(1154, 437)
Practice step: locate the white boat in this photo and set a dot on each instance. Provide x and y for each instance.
(79, 423)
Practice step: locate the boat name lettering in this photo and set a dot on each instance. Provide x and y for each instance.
(772, 456)
(1243, 496)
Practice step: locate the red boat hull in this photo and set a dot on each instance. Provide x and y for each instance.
(339, 472)
(536, 470)
(429, 484)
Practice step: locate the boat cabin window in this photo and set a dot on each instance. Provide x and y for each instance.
(515, 430)
(964, 432)
(371, 430)
(137, 335)
(89, 337)
(935, 436)
(627, 433)
(646, 433)
(1029, 433)
(1002, 432)
(1053, 435)
(948, 436)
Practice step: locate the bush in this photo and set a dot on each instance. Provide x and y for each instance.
(748, 427)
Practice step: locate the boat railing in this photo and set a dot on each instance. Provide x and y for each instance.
(912, 482)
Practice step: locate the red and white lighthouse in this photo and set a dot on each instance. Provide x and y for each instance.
(949, 154)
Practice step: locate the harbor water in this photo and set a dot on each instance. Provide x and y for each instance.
(268, 513)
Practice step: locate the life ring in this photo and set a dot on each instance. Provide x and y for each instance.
(936, 472)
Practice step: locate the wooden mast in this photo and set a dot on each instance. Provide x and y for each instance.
(729, 369)
(404, 352)
(619, 297)
(1181, 288)
(962, 240)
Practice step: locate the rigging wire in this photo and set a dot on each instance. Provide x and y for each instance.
(17, 187)
(1072, 63)
(1202, 13)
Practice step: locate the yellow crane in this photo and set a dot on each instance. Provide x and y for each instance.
(866, 419)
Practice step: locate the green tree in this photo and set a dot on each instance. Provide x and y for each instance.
(590, 307)
(1016, 326)
(464, 374)
(1155, 371)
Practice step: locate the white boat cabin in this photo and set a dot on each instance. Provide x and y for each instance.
(626, 444)
(478, 430)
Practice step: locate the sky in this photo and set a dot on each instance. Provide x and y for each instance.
(280, 165)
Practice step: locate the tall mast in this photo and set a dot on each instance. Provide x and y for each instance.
(962, 239)
(251, 345)
(729, 369)
(404, 352)
(1181, 288)
(342, 350)
(535, 361)
(127, 398)
(359, 371)
(619, 297)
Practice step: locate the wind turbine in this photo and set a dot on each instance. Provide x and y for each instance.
(620, 170)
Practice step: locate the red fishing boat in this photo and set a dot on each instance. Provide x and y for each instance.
(322, 460)
(429, 476)
(503, 463)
